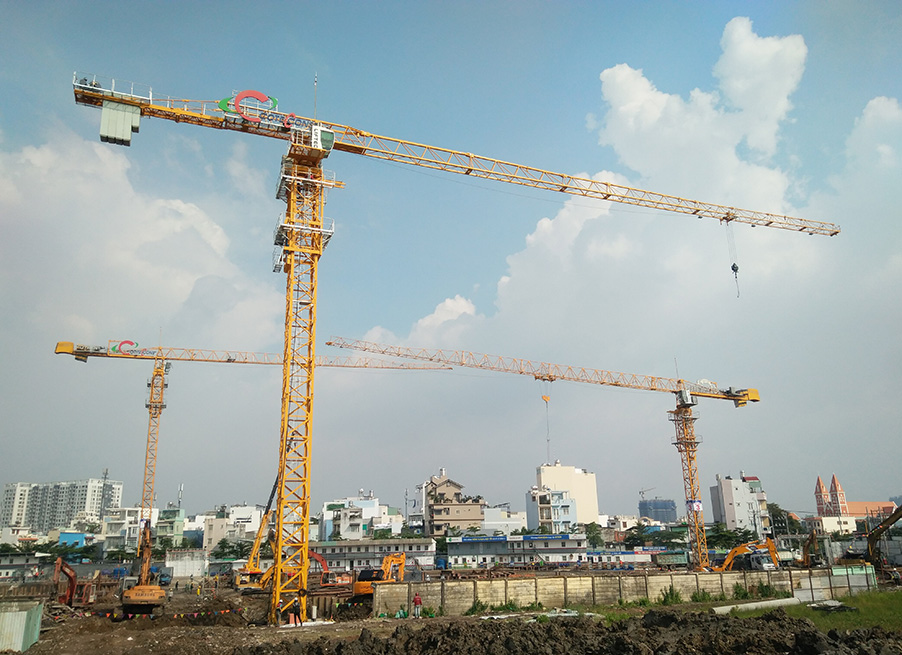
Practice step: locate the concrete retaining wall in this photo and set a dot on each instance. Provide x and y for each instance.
(455, 597)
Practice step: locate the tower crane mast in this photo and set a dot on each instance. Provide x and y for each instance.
(682, 417)
(303, 232)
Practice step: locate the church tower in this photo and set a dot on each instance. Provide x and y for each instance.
(838, 498)
(822, 498)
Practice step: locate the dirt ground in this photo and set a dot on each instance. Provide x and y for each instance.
(225, 626)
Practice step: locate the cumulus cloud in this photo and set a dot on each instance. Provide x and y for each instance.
(100, 259)
(757, 76)
(650, 130)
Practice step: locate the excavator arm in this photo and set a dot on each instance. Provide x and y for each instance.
(875, 534)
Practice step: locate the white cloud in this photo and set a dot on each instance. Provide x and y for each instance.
(247, 180)
(757, 75)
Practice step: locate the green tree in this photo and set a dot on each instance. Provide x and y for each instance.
(159, 551)
(593, 535)
(636, 536)
(783, 522)
(223, 550)
(668, 539)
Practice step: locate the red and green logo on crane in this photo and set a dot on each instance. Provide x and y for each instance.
(232, 105)
(236, 108)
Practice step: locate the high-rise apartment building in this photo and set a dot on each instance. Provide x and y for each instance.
(44, 506)
(662, 510)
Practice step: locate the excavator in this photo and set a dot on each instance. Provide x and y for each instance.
(392, 570)
(872, 553)
(145, 595)
(762, 556)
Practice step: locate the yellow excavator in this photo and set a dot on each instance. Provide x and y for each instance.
(762, 556)
(392, 570)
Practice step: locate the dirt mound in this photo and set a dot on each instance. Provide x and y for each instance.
(658, 633)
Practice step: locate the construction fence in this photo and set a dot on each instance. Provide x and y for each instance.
(455, 597)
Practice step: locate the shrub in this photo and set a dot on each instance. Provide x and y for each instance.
(701, 596)
(670, 596)
(740, 592)
(477, 608)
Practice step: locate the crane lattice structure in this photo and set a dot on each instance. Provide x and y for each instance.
(303, 232)
(162, 358)
(684, 422)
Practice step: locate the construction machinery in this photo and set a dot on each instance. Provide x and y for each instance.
(762, 556)
(302, 233)
(144, 596)
(873, 555)
(392, 570)
(686, 394)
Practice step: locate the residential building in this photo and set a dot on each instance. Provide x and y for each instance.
(740, 504)
(121, 527)
(500, 520)
(368, 553)
(518, 550)
(662, 510)
(216, 529)
(580, 484)
(550, 511)
(830, 524)
(247, 519)
(171, 525)
(48, 505)
(25, 566)
(449, 510)
(357, 517)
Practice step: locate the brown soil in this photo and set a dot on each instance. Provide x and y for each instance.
(213, 631)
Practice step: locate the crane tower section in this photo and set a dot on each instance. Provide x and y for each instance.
(300, 238)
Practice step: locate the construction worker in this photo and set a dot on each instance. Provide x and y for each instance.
(417, 604)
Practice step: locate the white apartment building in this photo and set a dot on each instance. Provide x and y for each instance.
(48, 505)
(357, 517)
(580, 484)
(740, 504)
(121, 527)
(501, 520)
(552, 511)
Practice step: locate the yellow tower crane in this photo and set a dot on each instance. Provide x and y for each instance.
(682, 418)
(303, 232)
(162, 358)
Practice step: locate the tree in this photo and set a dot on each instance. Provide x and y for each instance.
(668, 539)
(636, 536)
(159, 551)
(223, 549)
(593, 535)
(783, 521)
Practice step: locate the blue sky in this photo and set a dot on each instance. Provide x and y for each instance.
(789, 107)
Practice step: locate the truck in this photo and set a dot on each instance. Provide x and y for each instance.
(671, 559)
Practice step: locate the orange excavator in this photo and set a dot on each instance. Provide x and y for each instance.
(762, 556)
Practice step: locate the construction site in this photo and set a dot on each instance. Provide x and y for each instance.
(301, 605)
(301, 513)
